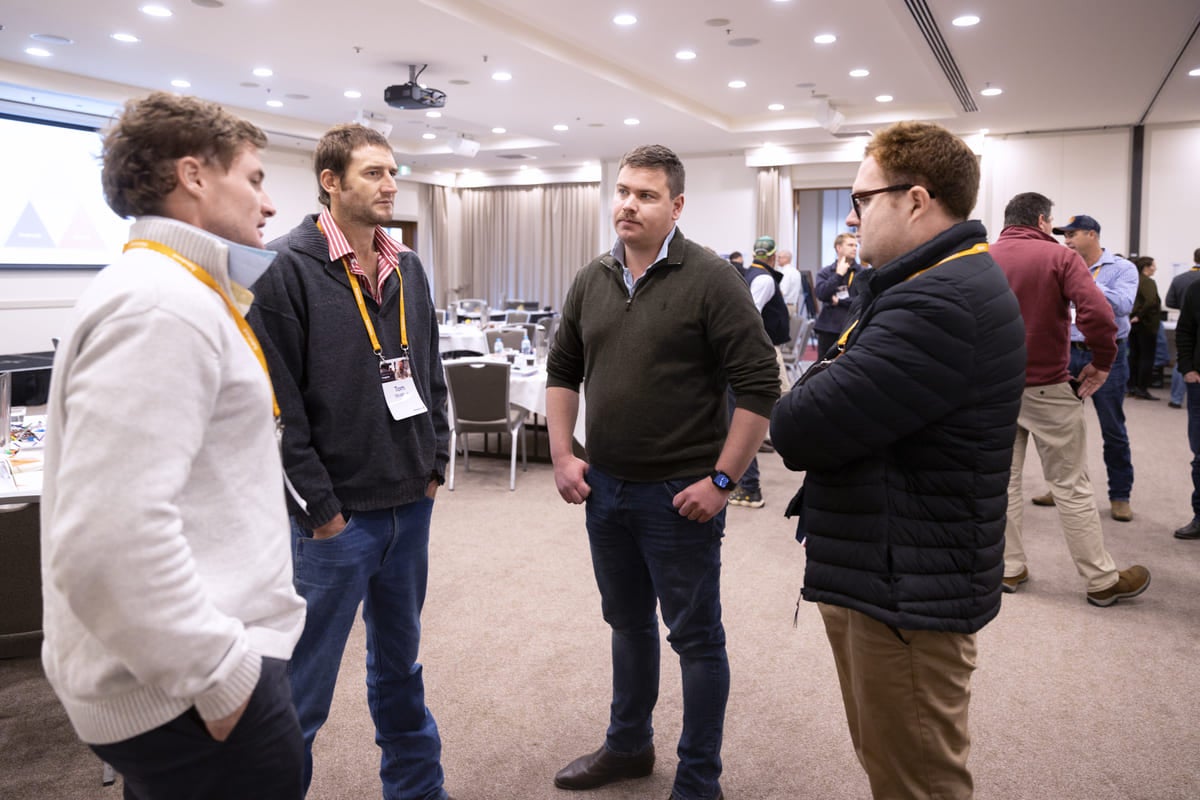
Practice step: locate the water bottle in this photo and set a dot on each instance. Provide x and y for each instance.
(498, 347)
(526, 347)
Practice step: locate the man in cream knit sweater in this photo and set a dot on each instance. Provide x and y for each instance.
(169, 608)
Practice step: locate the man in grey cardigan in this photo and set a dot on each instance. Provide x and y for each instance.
(655, 330)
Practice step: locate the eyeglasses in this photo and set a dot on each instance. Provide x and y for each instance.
(857, 197)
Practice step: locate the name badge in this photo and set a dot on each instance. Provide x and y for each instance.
(399, 389)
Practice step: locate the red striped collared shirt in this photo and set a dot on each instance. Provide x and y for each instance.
(387, 248)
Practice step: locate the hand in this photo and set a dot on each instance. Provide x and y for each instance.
(1090, 380)
(834, 301)
(843, 265)
(1191, 377)
(1133, 320)
(331, 528)
(431, 490)
(701, 501)
(220, 729)
(569, 477)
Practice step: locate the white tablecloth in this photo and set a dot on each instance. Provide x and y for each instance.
(461, 337)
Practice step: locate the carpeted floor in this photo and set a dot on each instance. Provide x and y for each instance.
(1070, 702)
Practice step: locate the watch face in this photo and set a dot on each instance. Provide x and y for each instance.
(722, 480)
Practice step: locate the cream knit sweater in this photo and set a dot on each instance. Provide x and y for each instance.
(165, 545)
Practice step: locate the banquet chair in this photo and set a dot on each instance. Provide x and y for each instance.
(510, 338)
(471, 308)
(515, 316)
(479, 404)
(21, 589)
(798, 363)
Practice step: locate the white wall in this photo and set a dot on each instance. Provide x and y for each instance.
(1083, 173)
(1171, 199)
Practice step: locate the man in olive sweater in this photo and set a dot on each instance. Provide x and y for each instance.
(655, 331)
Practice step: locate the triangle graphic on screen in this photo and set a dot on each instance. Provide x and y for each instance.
(82, 233)
(29, 231)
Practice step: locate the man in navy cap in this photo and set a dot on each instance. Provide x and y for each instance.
(1118, 279)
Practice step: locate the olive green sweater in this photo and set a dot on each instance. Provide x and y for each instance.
(655, 366)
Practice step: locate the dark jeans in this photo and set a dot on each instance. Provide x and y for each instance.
(263, 759)
(643, 551)
(381, 559)
(1193, 413)
(1109, 402)
(1141, 357)
(825, 342)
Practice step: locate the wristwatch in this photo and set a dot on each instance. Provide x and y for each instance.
(722, 481)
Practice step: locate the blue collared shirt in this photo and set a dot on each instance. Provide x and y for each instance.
(1118, 279)
(618, 253)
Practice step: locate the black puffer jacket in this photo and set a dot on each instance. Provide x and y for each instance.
(907, 441)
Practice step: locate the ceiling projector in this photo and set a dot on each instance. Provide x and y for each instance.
(413, 95)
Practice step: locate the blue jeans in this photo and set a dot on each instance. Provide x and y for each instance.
(380, 559)
(1177, 385)
(643, 551)
(1193, 413)
(261, 759)
(1109, 402)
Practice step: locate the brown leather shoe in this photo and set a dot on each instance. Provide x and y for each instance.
(1130, 583)
(604, 767)
(1009, 585)
(1121, 511)
(1046, 499)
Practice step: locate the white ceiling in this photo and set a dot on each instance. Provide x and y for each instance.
(1061, 63)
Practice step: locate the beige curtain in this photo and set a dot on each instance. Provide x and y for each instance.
(526, 242)
(433, 241)
(766, 218)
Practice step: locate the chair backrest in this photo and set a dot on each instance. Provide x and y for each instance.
(551, 326)
(521, 305)
(440, 313)
(471, 306)
(479, 391)
(515, 316)
(510, 338)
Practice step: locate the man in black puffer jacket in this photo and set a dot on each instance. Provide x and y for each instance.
(907, 439)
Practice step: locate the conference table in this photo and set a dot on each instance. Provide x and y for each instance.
(462, 336)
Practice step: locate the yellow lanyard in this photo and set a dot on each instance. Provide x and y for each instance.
(982, 247)
(200, 274)
(362, 309)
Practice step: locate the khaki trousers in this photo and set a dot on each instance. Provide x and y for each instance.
(1053, 415)
(784, 382)
(906, 701)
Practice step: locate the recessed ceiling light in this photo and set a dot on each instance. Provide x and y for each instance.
(685, 55)
(1195, 73)
(633, 121)
(127, 38)
(353, 94)
(499, 130)
(560, 127)
(156, 11)
(859, 73)
(434, 114)
(428, 135)
(37, 51)
(275, 103)
(737, 84)
(263, 72)
(180, 83)
(992, 91)
(775, 107)
(965, 21)
(825, 38)
(884, 98)
(744, 41)
(625, 19)
(502, 76)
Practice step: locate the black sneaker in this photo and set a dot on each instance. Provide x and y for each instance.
(746, 499)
